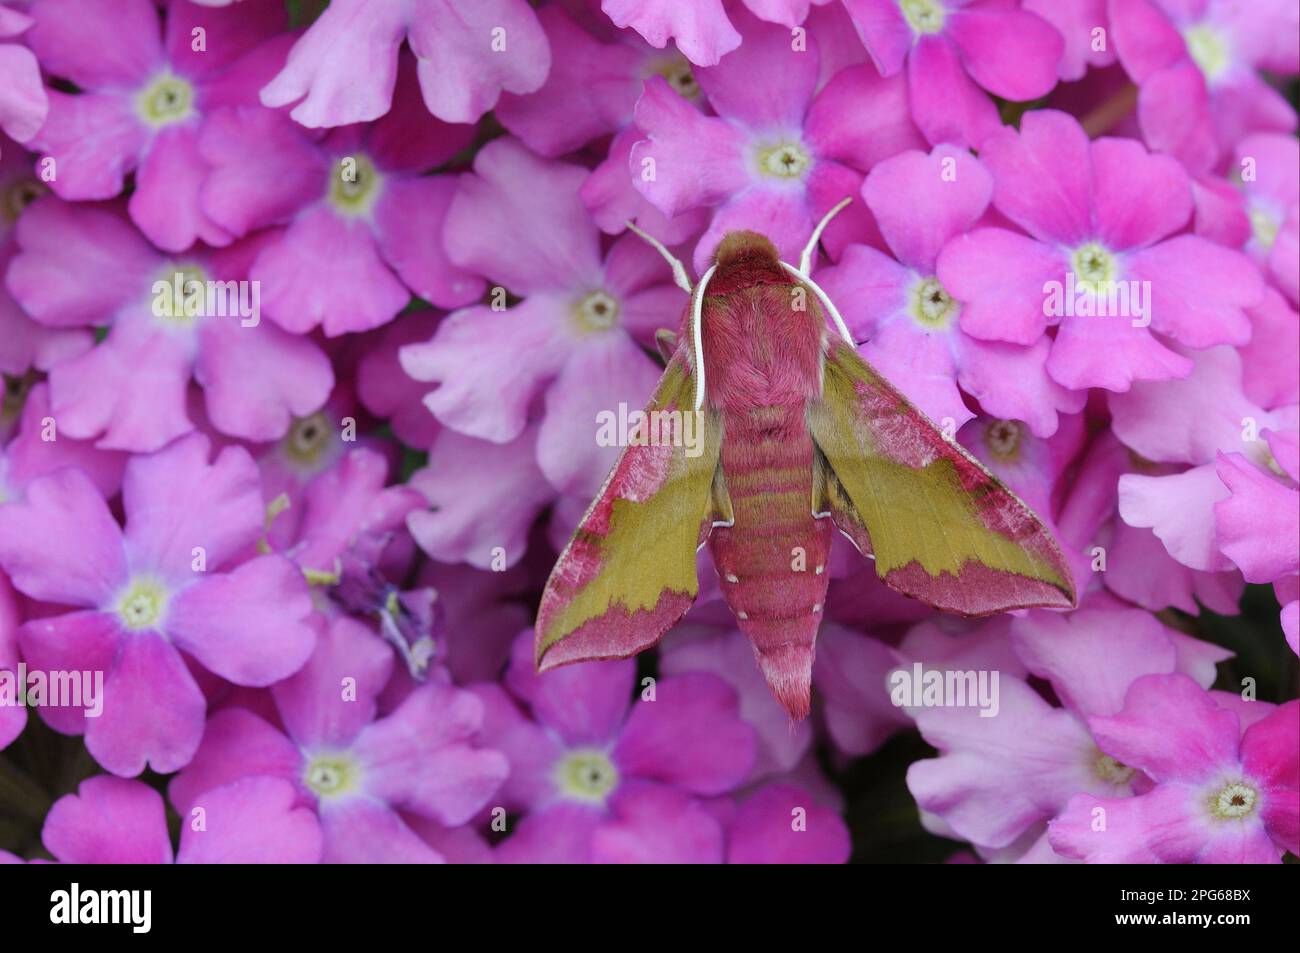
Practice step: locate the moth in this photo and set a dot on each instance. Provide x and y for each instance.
(801, 438)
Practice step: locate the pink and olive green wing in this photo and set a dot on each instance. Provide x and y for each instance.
(628, 574)
(941, 527)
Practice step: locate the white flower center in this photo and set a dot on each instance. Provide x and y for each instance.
(142, 604)
(923, 16)
(355, 186)
(1233, 801)
(168, 99)
(597, 311)
(586, 774)
(180, 294)
(1209, 50)
(785, 160)
(931, 305)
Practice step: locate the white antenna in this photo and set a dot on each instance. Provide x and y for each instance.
(697, 335)
(805, 259)
(680, 278)
(824, 299)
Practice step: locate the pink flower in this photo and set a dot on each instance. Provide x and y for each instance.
(23, 342)
(342, 69)
(32, 454)
(23, 102)
(1193, 421)
(953, 50)
(1196, 66)
(167, 584)
(141, 110)
(998, 777)
(573, 339)
(783, 824)
(606, 782)
(13, 717)
(358, 774)
(1101, 217)
(1268, 167)
(1082, 24)
(1219, 796)
(910, 322)
(84, 265)
(701, 28)
(113, 821)
(777, 157)
(363, 222)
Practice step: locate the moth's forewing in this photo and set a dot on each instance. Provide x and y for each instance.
(941, 527)
(628, 573)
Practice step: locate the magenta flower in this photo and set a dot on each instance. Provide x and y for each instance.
(114, 821)
(142, 109)
(777, 157)
(1078, 22)
(30, 455)
(1258, 525)
(609, 782)
(166, 585)
(1101, 219)
(23, 102)
(363, 222)
(953, 51)
(386, 391)
(343, 68)
(1219, 796)
(1196, 66)
(13, 717)
(783, 824)
(573, 339)
(358, 774)
(909, 321)
(85, 265)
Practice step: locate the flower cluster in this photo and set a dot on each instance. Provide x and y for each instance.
(310, 310)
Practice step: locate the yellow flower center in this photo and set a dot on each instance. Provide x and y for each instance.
(677, 71)
(1112, 771)
(168, 99)
(1093, 265)
(932, 306)
(1209, 50)
(597, 311)
(586, 774)
(142, 604)
(923, 16)
(355, 186)
(19, 194)
(1233, 801)
(785, 160)
(1002, 437)
(308, 437)
(331, 775)
(183, 300)
(1264, 226)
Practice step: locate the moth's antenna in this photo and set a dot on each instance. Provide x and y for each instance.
(680, 277)
(824, 299)
(805, 259)
(697, 335)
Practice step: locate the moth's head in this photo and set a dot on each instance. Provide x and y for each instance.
(746, 248)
